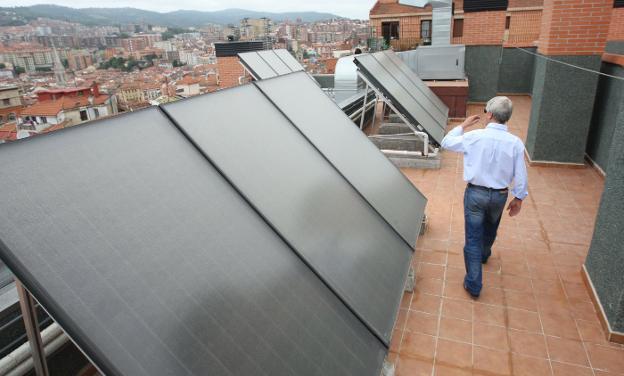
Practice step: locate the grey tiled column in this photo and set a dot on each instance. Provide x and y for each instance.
(605, 261)
(561, 113)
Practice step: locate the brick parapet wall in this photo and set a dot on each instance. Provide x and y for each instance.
(230, 69)
(575, 27)
(616, 31)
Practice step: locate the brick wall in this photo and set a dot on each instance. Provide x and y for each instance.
(616, 31)
(230, 70)
(525, 3)
(480, 28)
(484, 28)
(524, 28)
(575, 27)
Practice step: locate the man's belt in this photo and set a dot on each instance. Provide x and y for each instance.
(487, 188)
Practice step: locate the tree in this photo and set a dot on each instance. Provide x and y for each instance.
(2, 66)
(65, 63)
(19, 70)
(176, 63)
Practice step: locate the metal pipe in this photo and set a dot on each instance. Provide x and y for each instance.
(19, 362)
(27, 305)
(364, 106)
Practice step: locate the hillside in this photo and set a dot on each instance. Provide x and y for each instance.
(115, 16)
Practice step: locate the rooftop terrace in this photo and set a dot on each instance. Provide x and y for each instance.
(535, 316)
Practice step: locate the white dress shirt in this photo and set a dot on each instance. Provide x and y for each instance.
(493, 157)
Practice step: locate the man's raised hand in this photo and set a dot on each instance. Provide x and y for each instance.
(471, 121)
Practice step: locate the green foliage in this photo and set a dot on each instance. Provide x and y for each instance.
(114, 62)
(2, 66)
(65, 63)
(124, 35)
(43, 69)
(19, 70)
(177, 63)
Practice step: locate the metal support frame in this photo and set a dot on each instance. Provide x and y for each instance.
(418, 130)
(29, 313)
(364, 107)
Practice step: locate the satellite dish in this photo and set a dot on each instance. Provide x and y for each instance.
(22, 134)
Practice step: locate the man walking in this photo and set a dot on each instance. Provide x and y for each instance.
(493, 159)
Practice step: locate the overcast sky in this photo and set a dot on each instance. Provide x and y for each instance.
(346, 8)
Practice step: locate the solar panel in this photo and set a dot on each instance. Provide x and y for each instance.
(256, 65)
(289, 60)
(305, 199)
(274, 62)
(155, 265)
(417, 82)
(350, 151)
(269, 63)
(416, 107)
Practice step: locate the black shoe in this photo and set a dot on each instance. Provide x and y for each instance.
(474, 296)
(485, 261)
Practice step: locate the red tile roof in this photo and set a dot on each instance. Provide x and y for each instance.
(8, 132)
(52, 108)
(385, 7)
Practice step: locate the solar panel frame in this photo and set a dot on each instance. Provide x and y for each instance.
(256, 65)
(417, 82)
(401, 98)
(374, 292)
(332, 133)
(289, 60)
(274, 62)
(56, 235)
(414, 90)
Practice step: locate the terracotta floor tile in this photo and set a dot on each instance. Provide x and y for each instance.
(493, 337)
(429, 286)
(492, 279)
(494, 315)
(453, 354)
(413, 366)
(492, 362)
(522, 300)
(561, 369)
(417, 345)
(591, 332)
(526, 343)
(606, 358)
(433, 257)
(459, 309)
(523, 320)
(430, 271)
(582, 309)
(455, 274)
(527, 366)
(395, 342)
(406, 300)
(418, 322)
(492, 296)
(456, 260)
(426, 303)
(567, 351)
(441, 370)
(455, 329)
(521, 270)
(455, 290)
(559, 324)
(576, 291)
(517, 283)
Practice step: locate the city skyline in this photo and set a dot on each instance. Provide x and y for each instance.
(354, 9)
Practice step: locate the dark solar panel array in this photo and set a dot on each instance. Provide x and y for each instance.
(405, 91)
(269, 63)
(211, 241)
(350, 151)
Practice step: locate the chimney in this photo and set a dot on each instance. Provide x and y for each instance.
(95, 89)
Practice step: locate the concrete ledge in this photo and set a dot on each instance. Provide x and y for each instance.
(595, 166)
(612, 336)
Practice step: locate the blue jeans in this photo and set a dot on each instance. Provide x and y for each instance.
(483, 209)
